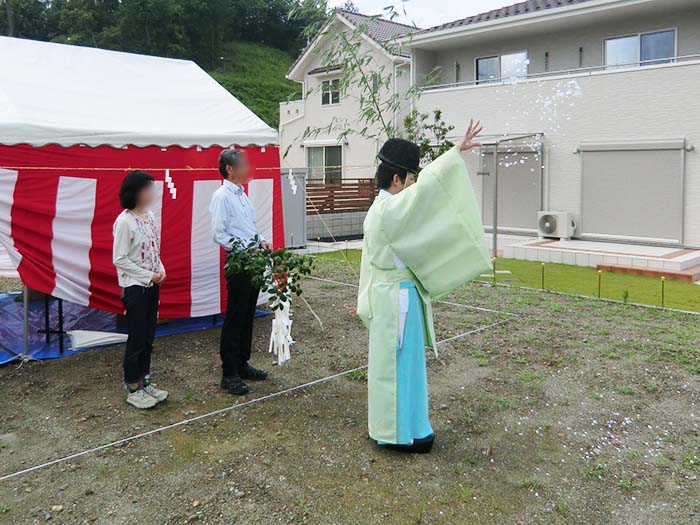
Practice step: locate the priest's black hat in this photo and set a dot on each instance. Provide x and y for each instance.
(402, 154)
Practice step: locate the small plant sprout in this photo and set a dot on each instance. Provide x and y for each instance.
(691, 461)
(561, 507)
(359, 375)
(597, 470)
(532, 483)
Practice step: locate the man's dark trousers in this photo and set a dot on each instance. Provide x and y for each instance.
(237, 332)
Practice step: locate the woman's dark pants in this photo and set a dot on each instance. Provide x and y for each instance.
(141, 304)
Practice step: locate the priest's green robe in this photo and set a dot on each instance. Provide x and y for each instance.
(434, 228)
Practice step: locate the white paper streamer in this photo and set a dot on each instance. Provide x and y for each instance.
(281, 336)
(292, 181)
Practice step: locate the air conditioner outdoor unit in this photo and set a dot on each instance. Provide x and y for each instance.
(555, 224)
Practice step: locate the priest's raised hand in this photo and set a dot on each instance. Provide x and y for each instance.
(472, 132)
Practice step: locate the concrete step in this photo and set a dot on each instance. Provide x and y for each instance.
(689, 275)
(629, 256)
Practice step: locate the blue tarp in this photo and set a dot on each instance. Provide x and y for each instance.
(75, 317)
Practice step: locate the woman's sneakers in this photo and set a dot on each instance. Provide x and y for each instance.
(141, 399)
(158, 394)
(146, 397)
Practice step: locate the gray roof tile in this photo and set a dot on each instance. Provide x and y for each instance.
(378, 29)
(521, 8)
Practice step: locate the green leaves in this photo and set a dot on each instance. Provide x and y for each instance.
(372, 85)
(370, 82)
(278, 273)
(430, 135)
(193, 29)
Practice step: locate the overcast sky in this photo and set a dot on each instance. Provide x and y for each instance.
(428, 13)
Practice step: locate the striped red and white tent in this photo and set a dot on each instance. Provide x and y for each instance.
(73, 121)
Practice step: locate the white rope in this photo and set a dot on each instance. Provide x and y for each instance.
(449, 303)
(221, 411)
(331, 281)
(474, 331)
(177, 424)
(479, 308)
(256, 400)
(312, 311)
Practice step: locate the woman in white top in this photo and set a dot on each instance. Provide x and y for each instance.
(136, 255)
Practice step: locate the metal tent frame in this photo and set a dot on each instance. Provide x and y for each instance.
(47, 330)
(495, 141)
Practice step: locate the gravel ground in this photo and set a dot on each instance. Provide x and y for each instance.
(575, 412)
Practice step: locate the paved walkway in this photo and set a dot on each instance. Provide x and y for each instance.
(313, 247)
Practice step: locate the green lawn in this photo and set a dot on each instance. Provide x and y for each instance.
(584, 281)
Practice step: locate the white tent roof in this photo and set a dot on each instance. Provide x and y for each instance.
(67, 95)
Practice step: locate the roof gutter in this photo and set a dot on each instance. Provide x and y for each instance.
(515, 21)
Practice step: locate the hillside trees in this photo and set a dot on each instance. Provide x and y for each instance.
(194, 29)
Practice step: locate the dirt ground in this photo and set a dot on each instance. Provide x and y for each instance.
(10, 285)
(576, 411)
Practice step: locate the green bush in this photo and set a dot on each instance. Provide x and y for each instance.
(255, 74)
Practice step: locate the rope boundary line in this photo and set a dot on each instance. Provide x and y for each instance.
(224, 410)
(449, 303)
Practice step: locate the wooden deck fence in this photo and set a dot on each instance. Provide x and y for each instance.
(350, 195)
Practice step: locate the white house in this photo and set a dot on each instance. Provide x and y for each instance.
(613, 87)
(323, 103)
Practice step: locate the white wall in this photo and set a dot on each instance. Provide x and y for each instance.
(650, 103)
(562, 46)
(358, 153)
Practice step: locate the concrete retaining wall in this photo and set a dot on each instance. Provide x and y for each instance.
(340, 225)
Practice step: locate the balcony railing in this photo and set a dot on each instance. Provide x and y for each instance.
(581, 71)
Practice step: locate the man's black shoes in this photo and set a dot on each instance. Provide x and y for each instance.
(234, 385)
(254, 374)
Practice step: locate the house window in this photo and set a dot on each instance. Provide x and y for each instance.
(491, 69)
(487, 69)
(622, 52)
(643, 49)
(325, 164)
(514, 65)
(458, 73)
(658, 48)
(330, 92)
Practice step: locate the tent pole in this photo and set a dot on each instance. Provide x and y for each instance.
(47, 320)
(25, 301)
(60, 326)
(495, 200)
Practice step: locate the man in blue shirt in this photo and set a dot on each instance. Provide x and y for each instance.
(233, 217)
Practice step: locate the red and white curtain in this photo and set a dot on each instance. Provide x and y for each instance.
(57, 207)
